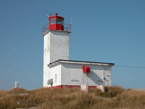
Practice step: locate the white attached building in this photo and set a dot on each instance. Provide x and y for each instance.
(59, 71)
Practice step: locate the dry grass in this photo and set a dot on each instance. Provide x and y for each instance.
(45, 98)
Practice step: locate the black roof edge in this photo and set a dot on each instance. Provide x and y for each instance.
(80, 61)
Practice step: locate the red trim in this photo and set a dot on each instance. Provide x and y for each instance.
(71, 86)
(56, 17)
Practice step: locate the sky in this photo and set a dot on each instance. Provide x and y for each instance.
(110, 31)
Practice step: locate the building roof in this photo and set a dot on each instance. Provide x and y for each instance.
(79, 63)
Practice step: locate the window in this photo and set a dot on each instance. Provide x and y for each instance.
(59, 21)
(50, 81)
(55, 77)
(53, 21)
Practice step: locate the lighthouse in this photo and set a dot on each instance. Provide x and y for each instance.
(56, 44)
(58, 70)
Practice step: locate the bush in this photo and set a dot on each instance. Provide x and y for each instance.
(113, 91)
(46, 98)
(18, 90)
(132, 98)
(109, 91)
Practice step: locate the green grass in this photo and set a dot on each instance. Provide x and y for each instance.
(46, 98)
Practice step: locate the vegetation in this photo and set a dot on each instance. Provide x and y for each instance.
(46, 98)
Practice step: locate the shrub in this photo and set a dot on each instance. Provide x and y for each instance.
(46, 98)
(18, 90)
(113, 91)
(132, 98)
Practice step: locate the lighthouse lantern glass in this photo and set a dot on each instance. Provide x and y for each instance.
(60, 21)
(53, 21)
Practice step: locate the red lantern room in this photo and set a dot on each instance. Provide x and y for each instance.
(56, 22)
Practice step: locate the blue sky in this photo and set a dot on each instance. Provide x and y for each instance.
(103, 31)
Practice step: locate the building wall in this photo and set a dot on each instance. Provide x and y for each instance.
(46, 59)
(56, 46)
(55, 75)
(72, 74)
(108, 76)
(59, 45)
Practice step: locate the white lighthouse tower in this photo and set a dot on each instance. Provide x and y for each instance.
(56, 44)
(58, 70)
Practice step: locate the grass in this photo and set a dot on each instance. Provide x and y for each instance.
(46, 98)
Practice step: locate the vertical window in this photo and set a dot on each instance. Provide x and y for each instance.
(53, 21)
(59, 21)
(55, 77)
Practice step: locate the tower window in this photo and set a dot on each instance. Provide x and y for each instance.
(55, 77)
(50, 81)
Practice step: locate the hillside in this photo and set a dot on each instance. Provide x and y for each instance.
(45, 98)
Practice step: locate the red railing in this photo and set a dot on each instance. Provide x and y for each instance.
(67, 27)
(45, 28)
